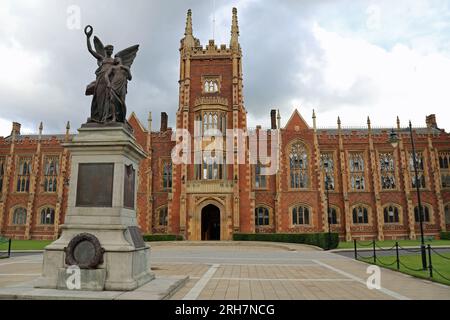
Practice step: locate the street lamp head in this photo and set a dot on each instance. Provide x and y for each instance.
(393, 139)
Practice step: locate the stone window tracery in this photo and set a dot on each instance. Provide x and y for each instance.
(387, 169)
(300, 215)
(163, 216)
(167, 174)
(47, 216)
(444, 166)
(360, 215)
(260, 179)
(327, 163)
(391, 214)
(2, 173)
(420, 170)
(298, 164)
(262, 216)
(19, 216)
(23, 175)
(425, 214)
(357, 171)
(51, 171)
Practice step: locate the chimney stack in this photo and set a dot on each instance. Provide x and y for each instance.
(164, 120)
(431, 121)
(273, 119)
(15, 128)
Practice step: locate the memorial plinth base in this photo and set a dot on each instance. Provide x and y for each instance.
(101, 203)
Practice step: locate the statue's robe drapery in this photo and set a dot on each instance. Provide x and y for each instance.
(119, 84)
(100, 110)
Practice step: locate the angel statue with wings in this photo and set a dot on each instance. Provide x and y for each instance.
(110, 87)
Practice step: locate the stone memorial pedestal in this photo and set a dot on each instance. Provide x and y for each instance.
(100, 233)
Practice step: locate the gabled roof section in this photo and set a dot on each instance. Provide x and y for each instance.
(135, 122)
(297, 120)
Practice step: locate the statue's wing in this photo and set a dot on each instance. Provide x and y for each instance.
(99, 47)
(128, 55)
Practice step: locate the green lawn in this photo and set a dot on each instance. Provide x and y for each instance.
(390, 243)
(26, 245)
(415, 262)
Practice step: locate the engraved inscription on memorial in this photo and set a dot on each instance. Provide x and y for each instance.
(137, 238)
(95, 185)
(84, 251)
(129, 186)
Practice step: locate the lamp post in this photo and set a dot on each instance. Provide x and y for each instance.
(393, 140)
(327, 188)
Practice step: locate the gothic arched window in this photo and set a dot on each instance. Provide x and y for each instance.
(387, 168)
(51, 170)
(300, 215)
(2, 173)
(298, 164)
(19, 216)
(420, 170)
(48, 216)
(333, 215)
(163, 216)
(357, 171)
(23, 175)
(262, 217)
(425, 214)
(391, 214)
(167, 174)
(447, 214)
(444, 166)
(360, 215)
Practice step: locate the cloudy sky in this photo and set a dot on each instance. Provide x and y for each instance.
(346, 58)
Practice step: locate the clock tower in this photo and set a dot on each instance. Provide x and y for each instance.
(211, 195)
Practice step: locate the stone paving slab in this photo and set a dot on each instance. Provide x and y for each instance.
(158, 289)
(256, 272)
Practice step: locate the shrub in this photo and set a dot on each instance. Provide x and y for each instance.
(316, 239)
(162, 237)
(445, 235)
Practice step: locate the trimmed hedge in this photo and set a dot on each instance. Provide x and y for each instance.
(315, 239)
(162, 237)
(445, 235)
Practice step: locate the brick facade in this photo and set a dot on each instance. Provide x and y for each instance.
(178, 199)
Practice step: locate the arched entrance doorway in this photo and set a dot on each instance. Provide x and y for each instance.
(210, 223)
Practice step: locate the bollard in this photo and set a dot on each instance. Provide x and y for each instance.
(9, 248)
(356, 250)
(398, 257)
(374, 253)
(430, 266)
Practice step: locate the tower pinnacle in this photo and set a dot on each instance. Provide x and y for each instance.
(189, 40)
(234, 43)
(188, 31)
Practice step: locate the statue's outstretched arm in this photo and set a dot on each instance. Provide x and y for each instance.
(88, 31)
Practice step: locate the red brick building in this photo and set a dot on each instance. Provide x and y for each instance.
(371, 184)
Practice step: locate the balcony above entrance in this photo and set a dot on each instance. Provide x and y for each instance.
(215, 186)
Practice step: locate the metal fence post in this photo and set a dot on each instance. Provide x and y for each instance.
(430, 266)
(398, 257)
(374, 253)
(9, 248)
(356, 250)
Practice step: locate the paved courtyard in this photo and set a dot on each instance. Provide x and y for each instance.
(257, 271)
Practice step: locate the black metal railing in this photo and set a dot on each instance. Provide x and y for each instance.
(5, 253)
(374, 258)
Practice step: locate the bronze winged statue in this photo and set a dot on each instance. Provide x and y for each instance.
(109, 90)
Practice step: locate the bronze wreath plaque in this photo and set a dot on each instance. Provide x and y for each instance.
(84, 251)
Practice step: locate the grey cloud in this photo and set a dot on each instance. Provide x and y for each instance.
(275, 36)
